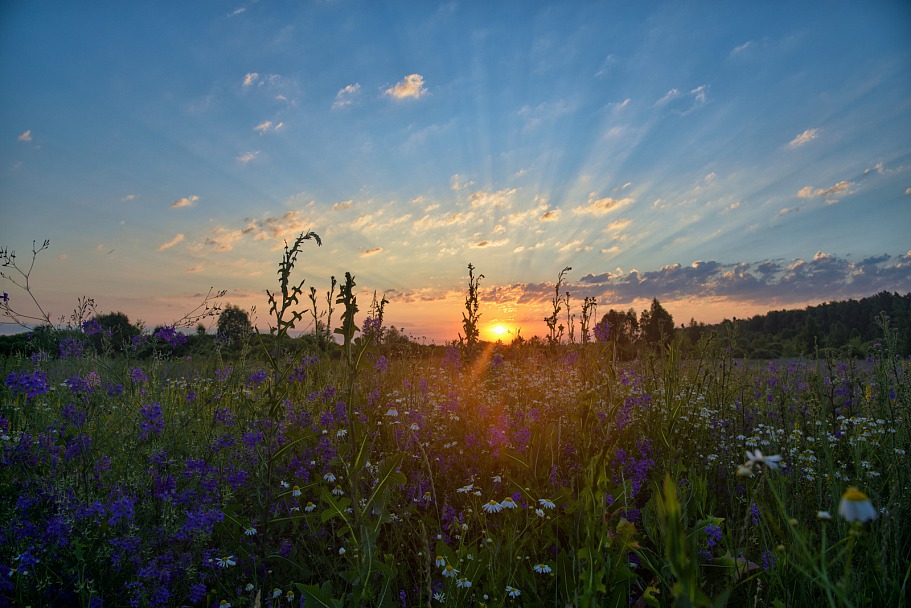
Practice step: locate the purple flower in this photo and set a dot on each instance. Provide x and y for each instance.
(170, 335)
(121, 510)
(258, 378)
(70, 348)
(152, 420)
(91, 327)
(197, 592)
(713, 533)
(29, 384)
(381, 365)
(138, 376)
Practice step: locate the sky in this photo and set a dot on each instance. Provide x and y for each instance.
(727, 158)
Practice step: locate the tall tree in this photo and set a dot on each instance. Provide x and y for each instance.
(657, 325)
(233, 325)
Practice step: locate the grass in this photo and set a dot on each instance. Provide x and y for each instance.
(483, 475)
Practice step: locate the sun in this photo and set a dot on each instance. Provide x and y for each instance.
(499, 330)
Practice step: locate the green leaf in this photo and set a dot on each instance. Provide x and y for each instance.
(388, 476)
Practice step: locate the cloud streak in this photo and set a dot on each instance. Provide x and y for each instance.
(171, 243)
(187, 201)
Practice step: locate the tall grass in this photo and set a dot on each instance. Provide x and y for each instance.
(489, 475)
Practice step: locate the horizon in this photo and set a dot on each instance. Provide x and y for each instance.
(726, 159)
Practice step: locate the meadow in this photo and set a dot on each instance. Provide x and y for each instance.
(361, 474)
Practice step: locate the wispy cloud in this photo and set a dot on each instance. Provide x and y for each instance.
(186, 201)
(832, 194)
(500, 198)
(412, 86)
(247, 157)
(345, 97)
(128, 197)
(373, 251)
(25, 136)
(806, 136)
(171, 243)
(551, 215)
(487, 244)
(544, 112)
(341, 205)
(672, 94)
(459, 182)
(237, 11)
(266, 126)
(739, 49)
(250, 79)
(601, 206)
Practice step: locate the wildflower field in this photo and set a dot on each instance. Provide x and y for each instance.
(367, 475)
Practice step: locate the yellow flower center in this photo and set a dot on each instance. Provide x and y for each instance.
(854, 495)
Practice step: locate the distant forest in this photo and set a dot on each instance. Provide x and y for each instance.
(849, 329)
(846, 329)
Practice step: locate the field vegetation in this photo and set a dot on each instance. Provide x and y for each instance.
(165, 467)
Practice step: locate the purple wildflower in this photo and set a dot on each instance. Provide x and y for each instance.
(152, 420)
(29, 384)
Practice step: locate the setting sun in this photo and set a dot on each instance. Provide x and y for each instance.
(499, 331)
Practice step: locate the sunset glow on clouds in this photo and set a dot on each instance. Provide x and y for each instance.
(725, 159)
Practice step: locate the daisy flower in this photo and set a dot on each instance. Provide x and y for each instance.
(224, 562)
(508, 503)
(295, 491)
(310, 506)
(329, 477)
(512, 591)
(856, 506)
(542, 569)
(466, 489)
(463, 583)
(754, 458)
(440, 561)
(546, 503)
(449, 571)
(492, 507)
(250, 531)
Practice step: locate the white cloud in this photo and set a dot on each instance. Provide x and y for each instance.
(907, 191)
(500, 198)
(806, 136)
(263, 126)
(551, 215)
(459, 182)
(411, 86)
(250, 79)
(601, 206)
(345, 96)
(186, 201)
(700, 94)
(672, 94)
(247, 157)
(26, 136)
(341, 205)
(742, 47)
(171, 243)
(842, 188)
(128, 197)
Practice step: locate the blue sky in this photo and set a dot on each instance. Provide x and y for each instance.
(725, 157)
